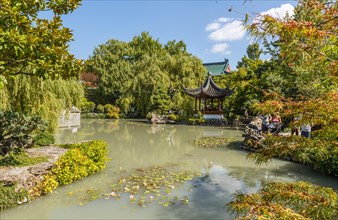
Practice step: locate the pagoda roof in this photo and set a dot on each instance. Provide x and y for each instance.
(218, 68)
(208, 89)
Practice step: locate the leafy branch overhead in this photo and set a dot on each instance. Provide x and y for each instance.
(302, 71)
(37, 46)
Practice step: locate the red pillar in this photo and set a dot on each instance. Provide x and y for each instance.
(205, 104)
(195, 105)
(200, 101)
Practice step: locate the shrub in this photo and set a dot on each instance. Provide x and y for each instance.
(172, 117)
(182, 118)
(95, 150)
(9, 196)
(73, 166)
(322, 155)
(49, 184)
(329, 132)
(81, 160)
(112, 111)
(20, 158)
(44, 139)
(92, 115)
(87, 106)
(16, 130)
(196, 121)
(100, 108)
(148, 116)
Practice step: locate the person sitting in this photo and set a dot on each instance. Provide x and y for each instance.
(276, 118)
(265, 123)
(276, 123)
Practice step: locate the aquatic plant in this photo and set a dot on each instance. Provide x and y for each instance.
(212, 142)
(20, 159)
(153, 183)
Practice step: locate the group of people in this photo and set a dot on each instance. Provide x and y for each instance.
(305, 129)
(273, 124)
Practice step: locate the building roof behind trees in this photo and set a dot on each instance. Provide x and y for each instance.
(218, 68)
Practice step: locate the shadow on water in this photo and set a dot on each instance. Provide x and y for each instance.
(206, 201)
(214, 190)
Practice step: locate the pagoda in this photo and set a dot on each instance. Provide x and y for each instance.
(211, 97)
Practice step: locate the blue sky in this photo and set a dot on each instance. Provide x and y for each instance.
(209, 29)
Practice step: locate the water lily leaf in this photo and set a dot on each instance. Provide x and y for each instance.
(153, 182)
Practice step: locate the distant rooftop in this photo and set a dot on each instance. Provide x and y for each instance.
(218, 68)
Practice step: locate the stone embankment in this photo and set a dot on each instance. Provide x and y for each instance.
(28, 176)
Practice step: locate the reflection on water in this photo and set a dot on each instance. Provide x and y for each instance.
(138, 145)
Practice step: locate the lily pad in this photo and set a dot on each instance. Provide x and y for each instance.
(153, 183)
(212, 142)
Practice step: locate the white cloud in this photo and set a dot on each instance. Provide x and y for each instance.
(213, 26)
(217, 23)
(279, 12)
(220, 48)
(230, 31)
(224, 20)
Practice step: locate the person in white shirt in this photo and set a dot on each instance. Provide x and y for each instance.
(305, 130)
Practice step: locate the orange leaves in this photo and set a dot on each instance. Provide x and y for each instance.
(306, 40)
(321, 110)
(298, 200)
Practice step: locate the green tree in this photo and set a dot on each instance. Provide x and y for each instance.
(36, 46)
(150, 79)
(161, 100)
(111, 62)
(139, 75)
(246, 82)
(253, 54)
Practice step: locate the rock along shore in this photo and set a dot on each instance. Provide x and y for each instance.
(28, 176)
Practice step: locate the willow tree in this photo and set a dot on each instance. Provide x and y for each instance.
(46, 98)
(146, 84)
(138, 75)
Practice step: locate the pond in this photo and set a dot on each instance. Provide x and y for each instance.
(134, 145)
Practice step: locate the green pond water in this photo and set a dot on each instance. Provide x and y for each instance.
(135, 145)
